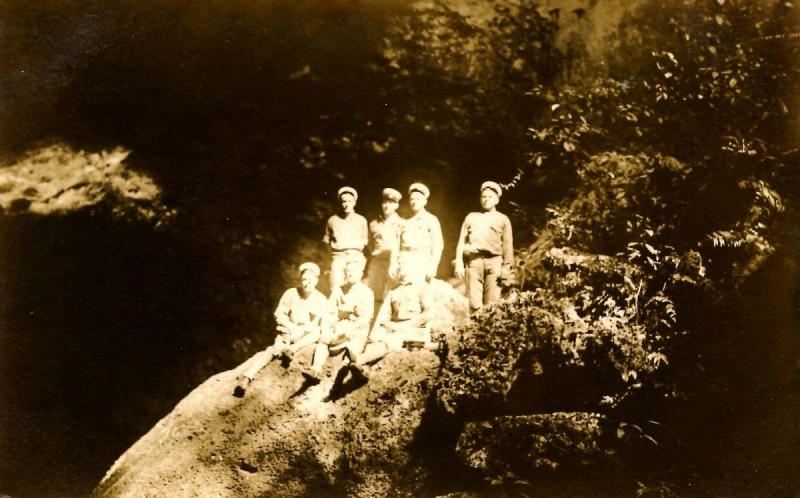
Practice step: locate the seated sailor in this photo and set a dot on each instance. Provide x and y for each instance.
(401, 321)
(351, 307)
(298, 317)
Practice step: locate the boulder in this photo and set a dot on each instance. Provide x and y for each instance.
(286, 438)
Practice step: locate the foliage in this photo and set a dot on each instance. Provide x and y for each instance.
(672, 164)
(699, 202)
(588, 308)
(506, 447)
(446, 97)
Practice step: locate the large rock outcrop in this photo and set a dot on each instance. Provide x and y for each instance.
(284, 438)
(419, 427)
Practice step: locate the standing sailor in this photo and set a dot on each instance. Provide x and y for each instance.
(384, 233)
(346, 235)
(485, 249)
(420, 242)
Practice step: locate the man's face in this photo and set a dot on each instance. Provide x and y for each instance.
(348, 203)
(389, 207)
(308, 281)
(489, 199)
(353, 272)
(417, 201)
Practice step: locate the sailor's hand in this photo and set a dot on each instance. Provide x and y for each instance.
(460, 273)
(296, 332)
(430, 274)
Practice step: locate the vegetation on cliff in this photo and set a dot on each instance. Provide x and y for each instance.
(674, 156)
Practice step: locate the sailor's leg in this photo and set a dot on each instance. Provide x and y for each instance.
(320, 357)
(416, 264)
(373, 351)
(378, 278)
(356, 346)
(415, 336)
(356, 343)
(311, 336)
(329, 339)
(260, 363)
(341, 335)
(491, 280)
(338, 262)
(280, 345)
(474, 282)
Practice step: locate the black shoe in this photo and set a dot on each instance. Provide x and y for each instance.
(413, 345)
(359, 374)
(443, 350)
(311, 377)
(238, 392)
(286, 358)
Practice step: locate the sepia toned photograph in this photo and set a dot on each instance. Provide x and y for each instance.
(398, 248)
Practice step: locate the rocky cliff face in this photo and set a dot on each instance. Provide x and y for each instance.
(342, 437)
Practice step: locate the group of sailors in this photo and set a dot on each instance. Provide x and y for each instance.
(404, 255)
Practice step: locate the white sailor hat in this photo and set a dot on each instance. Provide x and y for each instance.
(309, 266)
(347, 190)
(392, 194)
(419, 187)
(493, 186)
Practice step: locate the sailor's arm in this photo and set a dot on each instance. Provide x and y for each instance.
(382, 320)
(328, 238)
(427, 304)
(336, 305)
(508, 244)
(395, 251)
(364, 233)
(371, 233)
(282, 318)
(462, 239)
(320, 312)
(364, 308)
(437, 245)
